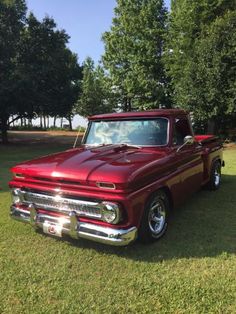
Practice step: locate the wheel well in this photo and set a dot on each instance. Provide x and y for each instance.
(219, 161)
(216, 160)
(168, 193)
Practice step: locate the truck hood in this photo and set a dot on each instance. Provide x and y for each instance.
(120, 164)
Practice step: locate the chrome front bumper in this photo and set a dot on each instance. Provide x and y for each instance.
(74, 228)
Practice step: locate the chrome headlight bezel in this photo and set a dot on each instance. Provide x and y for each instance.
(17, 196)
(111, 212)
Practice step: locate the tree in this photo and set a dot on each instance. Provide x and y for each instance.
(200, 58)
(42, 76)
(12, 18)
(48, 69)
(133, 54)
(95, 97)
(215, 90)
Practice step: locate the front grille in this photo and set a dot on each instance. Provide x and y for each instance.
(63, 204)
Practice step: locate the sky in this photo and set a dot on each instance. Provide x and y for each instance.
(83, 20)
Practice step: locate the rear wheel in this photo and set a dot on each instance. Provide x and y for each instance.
(215, 176)
(155, 217)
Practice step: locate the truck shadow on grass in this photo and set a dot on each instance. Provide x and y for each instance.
(203, 227)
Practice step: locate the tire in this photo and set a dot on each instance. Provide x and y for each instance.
(215, 177)
(155, 218)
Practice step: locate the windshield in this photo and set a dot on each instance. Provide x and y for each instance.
(145, 132)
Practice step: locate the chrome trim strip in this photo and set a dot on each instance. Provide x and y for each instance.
(77, 229)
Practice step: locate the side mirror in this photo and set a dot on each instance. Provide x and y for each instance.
(188, 140)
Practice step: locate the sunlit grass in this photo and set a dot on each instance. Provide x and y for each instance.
(191, 270)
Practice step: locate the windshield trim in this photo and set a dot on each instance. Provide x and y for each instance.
(83, 142)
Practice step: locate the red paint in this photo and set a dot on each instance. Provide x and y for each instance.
(139, 114)
(202, 138)
(136, 173)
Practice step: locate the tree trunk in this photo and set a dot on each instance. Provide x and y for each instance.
(44, 122)
(211, 126)
(4, 131)
(54, 121)
(4, 137)
(129, 104)
(61, 122)
(41, 122)
(70, 123)
(125, 105)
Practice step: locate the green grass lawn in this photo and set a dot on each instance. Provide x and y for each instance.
(191, 270)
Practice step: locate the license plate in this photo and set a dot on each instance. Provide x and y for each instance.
(52, 229)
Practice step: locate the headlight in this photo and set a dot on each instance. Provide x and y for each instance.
(111, 212)
(17, 196)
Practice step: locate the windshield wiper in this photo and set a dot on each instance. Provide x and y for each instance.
(129, 145)
(117, 146)
(96, 145)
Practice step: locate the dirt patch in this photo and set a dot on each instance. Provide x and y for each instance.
(230, 145)
(43, 137)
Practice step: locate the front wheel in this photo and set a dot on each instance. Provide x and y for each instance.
(155, 217)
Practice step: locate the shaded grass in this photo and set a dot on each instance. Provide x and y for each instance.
(191, 270)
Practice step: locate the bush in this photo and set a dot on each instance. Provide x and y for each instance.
(27, 128)
(81, 128)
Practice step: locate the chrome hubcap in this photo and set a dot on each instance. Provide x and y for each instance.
(217, 176)
(157, 216)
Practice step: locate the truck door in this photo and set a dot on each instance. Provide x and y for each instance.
(188, 159)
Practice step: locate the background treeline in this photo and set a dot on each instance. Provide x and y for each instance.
(39, 75)
(152, 59)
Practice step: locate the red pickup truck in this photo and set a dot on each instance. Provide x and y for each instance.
(122, 183)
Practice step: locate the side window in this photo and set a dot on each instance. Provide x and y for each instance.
(181, 129)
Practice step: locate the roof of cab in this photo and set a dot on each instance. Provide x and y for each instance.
(139, 114)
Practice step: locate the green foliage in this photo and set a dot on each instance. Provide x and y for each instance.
(200, 57)
(191, 270)
(38, 128)
(81, 128)
(39, 75)
(133, 54)
(215, 73)
(48, 71)
(12, 18)
(95, 97)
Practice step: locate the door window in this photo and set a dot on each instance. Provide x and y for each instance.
(181, 129)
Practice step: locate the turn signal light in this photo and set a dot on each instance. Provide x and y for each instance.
(106, 185)
(18, 175)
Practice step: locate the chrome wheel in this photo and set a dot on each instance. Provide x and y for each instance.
(217, 175)
(157, 216)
